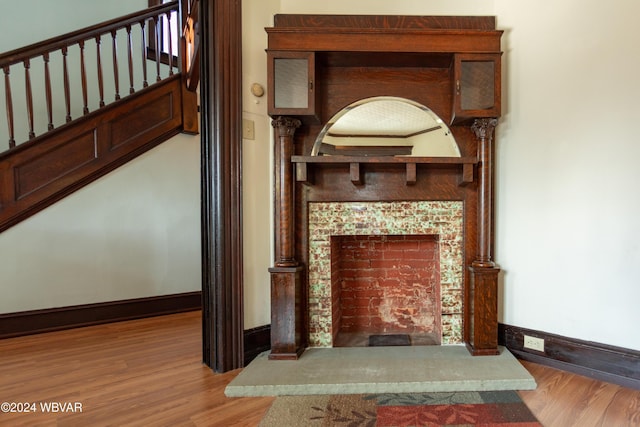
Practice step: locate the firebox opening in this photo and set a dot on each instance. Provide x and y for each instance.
(385, 285)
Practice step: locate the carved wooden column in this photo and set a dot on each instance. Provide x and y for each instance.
(286, 276)
(483, 129)
(285, 129)
(482, 310)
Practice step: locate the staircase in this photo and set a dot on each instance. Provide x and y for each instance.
(84, 103)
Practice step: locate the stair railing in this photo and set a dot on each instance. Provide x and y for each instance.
(64, 71)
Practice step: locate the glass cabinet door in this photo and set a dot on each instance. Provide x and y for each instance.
(476, 86)
(291, 83)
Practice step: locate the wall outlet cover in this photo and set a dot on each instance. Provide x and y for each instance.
(534, 343)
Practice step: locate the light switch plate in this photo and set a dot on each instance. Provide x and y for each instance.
(248, 129)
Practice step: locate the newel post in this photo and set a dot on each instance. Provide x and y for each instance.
(286, 276)
(482, 309)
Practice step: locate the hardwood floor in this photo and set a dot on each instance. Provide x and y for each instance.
(149, 373)
(564, 399)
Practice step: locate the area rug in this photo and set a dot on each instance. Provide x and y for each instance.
(484, 408)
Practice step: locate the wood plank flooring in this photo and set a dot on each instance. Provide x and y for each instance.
(149, 373)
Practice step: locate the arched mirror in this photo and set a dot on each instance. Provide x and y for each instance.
(386, 126)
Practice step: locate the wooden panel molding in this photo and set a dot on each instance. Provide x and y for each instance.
(146, 120)
(49, 165)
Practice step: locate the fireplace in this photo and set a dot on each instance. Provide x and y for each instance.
(413, 233)
(352, 186)
(385, 289)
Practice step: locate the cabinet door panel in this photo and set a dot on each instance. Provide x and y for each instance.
(291, 88)
(477, 86)
(291, 81)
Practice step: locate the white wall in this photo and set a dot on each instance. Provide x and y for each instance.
(133, 233)
(384, 7)
(56, 17)
(257, 166)
(567, 207)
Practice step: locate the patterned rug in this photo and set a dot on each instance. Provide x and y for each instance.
(484, 408)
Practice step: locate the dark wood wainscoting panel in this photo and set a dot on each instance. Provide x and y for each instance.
(47, 163)
(600, 361)
(56, 319)
(146, 120)
(42, 171)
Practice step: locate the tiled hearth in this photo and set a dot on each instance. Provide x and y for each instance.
(376, 223)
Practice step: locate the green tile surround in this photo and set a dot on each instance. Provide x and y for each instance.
(440, 218)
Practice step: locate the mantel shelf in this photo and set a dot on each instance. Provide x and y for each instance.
(384, 159)
(354, 162)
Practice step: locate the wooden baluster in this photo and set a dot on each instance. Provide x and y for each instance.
(168, 17)
(83, 79)
(116, 79)
(9, 105)
(67, 93)
(144, 54)
(47, 91)
(29, 94)
(130, 59)
(99, 66)
(158, 50)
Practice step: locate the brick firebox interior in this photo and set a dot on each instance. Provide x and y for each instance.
(385, 285)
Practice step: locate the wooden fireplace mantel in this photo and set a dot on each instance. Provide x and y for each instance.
(304, 163)
(450, 65)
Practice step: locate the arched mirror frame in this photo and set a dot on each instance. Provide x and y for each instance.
(386, 125)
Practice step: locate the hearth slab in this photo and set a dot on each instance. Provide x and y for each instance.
(398, 369)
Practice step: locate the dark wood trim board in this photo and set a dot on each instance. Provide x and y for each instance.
(56, 319)
(256, 341)
(221, 183)
(599, 361)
